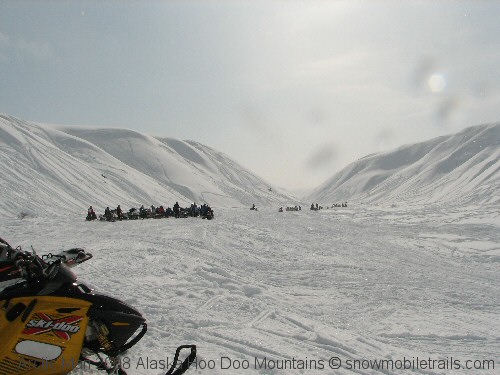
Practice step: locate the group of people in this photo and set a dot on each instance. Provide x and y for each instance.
(317, 207)
(339, 205)
(291, 208)
(204, 211)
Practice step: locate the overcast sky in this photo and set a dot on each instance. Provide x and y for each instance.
(293, 90)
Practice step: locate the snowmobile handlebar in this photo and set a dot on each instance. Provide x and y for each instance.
(44, 268)
(31, 266)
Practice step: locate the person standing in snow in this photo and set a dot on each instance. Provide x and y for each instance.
(194, 209)
(91, 214)
(107, 214)
(177, 209)
(119, 212)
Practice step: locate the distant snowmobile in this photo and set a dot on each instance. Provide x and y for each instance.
(49, 323)
(209, 215)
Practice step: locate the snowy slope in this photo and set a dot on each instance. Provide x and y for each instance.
(63, 169)
(463, 168)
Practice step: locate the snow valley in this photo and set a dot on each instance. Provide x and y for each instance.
(58, 169)
(392, 284)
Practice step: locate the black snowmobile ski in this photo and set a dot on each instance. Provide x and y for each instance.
(185, 364)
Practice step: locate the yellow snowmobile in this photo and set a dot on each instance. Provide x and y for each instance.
(50, 323)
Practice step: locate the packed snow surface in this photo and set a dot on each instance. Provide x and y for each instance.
(302, 290)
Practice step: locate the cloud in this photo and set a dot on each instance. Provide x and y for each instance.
(447, 108)
(38, 50)
(4, 40)
(423, 70)
(4, 45)
(323, 157)
(27, 48)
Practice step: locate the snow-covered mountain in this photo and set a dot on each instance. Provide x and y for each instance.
(463, 168)
(67, 168)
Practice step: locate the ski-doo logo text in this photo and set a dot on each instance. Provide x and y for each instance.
(63, 327)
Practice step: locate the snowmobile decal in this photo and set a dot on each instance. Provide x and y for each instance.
(40, 350)
(63, 327)
(32, 343)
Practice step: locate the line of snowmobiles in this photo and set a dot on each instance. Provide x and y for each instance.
(50, 323)
(148, 213)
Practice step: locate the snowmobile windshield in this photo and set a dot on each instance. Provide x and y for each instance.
(57, 274)
(61, 273)
(5, 249)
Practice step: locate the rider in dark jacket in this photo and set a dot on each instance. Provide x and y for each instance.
(177, 209)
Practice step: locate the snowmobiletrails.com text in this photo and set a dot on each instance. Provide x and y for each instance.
(333, 363)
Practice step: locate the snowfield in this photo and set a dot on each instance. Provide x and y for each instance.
(307, 291)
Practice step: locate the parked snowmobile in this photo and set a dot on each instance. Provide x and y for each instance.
(133, 214)
(209, 215)
(49, 322)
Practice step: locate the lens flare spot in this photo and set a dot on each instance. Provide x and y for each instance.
(436, 83)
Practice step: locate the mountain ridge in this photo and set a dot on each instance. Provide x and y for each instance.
(460, 168)
(57, 169)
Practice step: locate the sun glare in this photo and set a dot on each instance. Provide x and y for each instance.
(436, 83)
